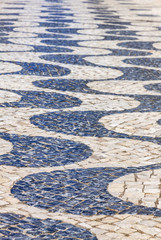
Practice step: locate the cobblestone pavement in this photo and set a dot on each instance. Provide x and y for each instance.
(80, 119)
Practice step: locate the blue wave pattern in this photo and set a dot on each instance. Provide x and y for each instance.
(76, 191)
(88, 200)
(42, 152)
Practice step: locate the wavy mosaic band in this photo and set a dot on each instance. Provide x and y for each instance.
(80, 120)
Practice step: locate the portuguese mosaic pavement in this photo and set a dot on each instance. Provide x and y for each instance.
(80, 119)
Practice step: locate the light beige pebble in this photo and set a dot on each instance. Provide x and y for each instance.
(126, 231)
(116, 236)
(139, 235)
(148, 230)
(149, 223)
(98, 231)
(110, 228)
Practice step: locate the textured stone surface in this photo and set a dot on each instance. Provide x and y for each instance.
(80, 104)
